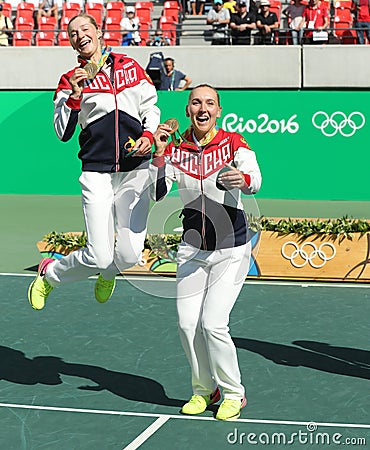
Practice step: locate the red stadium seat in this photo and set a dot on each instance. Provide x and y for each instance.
(69, 10)
(115, 6)
(144, 15)
(168, 26)
(171, 4)
(95, 10)
(171, 8)
(112, 23)
(114, 14)
(348, 36)
(98, 16)
(343, 15)
(7, 9)
(94, 6)
(70, 6)
(45, 39)
(171, 13)
(63, 39)
(47, 23)
(26, 6)
(113, 38)
(25, 14)
(144, 11)
(24, 24)
(69, 13)
(343, 24)
(343, 21)
(22, 39)
(145, 5)
(145, 28)
(342, 4)
(64, 21)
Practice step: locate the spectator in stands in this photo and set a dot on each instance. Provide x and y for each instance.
(219, 18)
(130, 28)
(158, 40)
(242, 23)
(47, 8)
(315, 22)
(267, 22)
(193, 4)
(294, 13)
(361, 10)
(171, 80)
(5, 26)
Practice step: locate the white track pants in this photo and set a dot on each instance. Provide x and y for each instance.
(115, 207)
(208, 284)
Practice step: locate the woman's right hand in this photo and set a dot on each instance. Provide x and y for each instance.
(77, 82)
(160, 137)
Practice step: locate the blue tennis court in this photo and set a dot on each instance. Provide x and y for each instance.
(81, 375)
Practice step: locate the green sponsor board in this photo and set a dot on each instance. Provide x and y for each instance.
(33, 160)
(310, 145)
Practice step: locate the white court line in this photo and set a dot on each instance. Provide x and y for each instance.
(178, 416)
(157, 277)
(145, 435)
(3, 274)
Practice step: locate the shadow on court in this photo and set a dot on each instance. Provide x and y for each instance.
(17, 368)
(319, 356)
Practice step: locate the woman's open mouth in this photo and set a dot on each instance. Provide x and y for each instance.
(202, 119)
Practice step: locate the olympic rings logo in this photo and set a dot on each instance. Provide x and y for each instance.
(338, 122)
(303, 254)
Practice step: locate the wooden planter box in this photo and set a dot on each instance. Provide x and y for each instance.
(315, 258)
(278, 257)
(150, 263)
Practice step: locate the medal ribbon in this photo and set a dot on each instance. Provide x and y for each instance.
(207, 138)
(105, 53)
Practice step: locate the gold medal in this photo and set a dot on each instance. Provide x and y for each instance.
(175, 135)
(172, 123)
(91, 69)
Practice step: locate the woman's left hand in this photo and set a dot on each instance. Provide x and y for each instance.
(232, 178)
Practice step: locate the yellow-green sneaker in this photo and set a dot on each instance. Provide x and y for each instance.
(199, 403)
(230, 409)
(104, 289)
(39, 288)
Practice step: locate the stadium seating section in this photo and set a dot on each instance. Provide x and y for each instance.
(108, 16)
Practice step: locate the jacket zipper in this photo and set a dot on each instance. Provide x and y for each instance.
(203, 214)
(111, 82)
(117, 122)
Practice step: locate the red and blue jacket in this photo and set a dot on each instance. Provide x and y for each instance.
(116, 108)
(213, 218)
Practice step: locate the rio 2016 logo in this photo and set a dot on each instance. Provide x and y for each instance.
(329, 125)
(263, 124)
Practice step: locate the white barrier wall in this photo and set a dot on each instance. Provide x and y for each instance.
(242, 67)
(336, 66)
